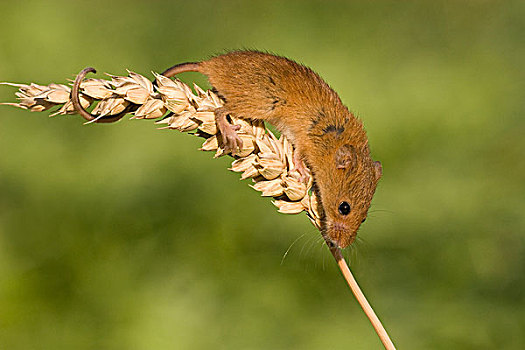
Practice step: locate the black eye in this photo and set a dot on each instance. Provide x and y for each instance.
(344, 208)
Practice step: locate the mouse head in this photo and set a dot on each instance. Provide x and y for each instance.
(346, 197)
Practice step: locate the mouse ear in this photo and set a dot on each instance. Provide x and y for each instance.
(379, 169)
(345, 157)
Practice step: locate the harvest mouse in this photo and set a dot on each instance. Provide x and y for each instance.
(326, 136)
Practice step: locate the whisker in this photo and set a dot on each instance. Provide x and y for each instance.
(304, 244)
(322, 246)
(290, 247)
(311, 244)
(381, 210)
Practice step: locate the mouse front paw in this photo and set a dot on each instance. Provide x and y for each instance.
(231, 141)
(300, 167)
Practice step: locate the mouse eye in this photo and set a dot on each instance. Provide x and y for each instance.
(344, 208)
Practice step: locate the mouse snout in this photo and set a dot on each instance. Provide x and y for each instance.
(340, 234)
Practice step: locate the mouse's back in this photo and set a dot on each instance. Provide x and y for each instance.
(263, 82)
(258, 85)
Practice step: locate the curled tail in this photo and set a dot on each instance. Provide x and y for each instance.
(80, 110)
(170, 72)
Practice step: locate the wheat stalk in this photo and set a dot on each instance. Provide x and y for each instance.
(264, 158)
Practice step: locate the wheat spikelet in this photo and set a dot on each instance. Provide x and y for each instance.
(264, 158)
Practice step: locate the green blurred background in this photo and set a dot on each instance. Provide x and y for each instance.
(125, 237)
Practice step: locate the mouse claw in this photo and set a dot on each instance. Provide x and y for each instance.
(231, 141)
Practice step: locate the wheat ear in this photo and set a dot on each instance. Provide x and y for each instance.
(264, 158)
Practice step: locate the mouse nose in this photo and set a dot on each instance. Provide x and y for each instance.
(347, 240)
(339, 243)
(330, 242)
(339, 235)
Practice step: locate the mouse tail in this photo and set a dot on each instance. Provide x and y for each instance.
(181, 68)
(75, 99)
(75, 94)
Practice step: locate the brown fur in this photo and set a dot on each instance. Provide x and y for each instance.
(302, 106)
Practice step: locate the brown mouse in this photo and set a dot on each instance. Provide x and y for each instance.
(301, 105)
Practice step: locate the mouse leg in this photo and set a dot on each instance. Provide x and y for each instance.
(230, 139)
